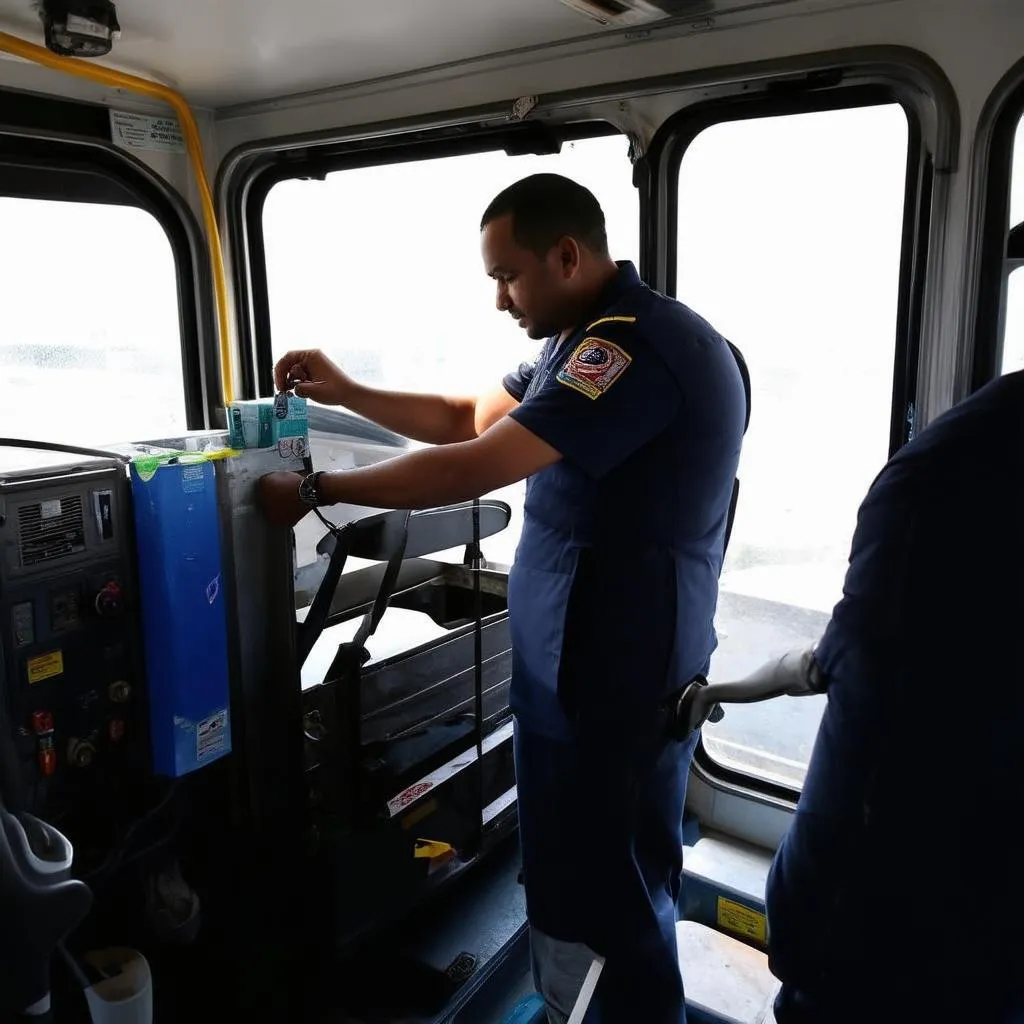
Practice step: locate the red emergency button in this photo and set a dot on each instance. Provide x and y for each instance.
(42, 726)
(115, 729)
(42, 722)
(109, 600)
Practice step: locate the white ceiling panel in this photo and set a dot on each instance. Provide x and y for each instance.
(233, 51)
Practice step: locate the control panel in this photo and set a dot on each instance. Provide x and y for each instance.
(71, 686)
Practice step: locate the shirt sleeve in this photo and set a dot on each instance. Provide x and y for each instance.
(516, 382)
(863, 657)
(870, 617)
(605, 398)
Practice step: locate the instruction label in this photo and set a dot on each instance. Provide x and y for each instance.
(211, 736)
(45, 666)
(741, 920)
(142, 131)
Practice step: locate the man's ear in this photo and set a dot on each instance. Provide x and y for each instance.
(570, 257)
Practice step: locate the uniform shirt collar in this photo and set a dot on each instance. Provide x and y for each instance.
(624, 281)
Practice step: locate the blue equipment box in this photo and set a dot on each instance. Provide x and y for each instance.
(184, 619)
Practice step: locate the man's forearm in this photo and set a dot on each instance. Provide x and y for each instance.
(420, 480)
(433, 419)
(440, 475)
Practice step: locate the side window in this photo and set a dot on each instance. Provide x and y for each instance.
(1013, 335)
(90, 337)
(380, 267)
(1013, 320)
(789, 242)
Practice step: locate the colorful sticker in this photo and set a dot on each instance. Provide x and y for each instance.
(594, 367)
(45, 666)
(292, 447)
(741, 920)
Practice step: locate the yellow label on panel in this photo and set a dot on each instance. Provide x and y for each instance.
(741, 920)
(45, 666)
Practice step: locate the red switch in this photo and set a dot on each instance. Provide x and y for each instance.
(42, 722)
(115, 729)
(109, 599)
(42, 726)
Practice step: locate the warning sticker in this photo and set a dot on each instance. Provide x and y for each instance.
(211, 736)
(45, 666)
(741, 920)
(141, 131)
(408, 796)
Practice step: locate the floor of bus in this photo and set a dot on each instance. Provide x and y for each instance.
(484, 915)
(402, 977)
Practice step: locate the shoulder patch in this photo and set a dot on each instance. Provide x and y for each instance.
(594, 367)
(612, 320)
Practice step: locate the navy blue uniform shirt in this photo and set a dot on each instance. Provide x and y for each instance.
(898, 883)
(615, 583)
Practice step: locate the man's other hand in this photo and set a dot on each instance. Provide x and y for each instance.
(313, 376)
(278, 495)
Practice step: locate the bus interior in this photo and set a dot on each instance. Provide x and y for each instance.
(194, 189)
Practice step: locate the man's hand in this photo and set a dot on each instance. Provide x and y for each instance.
(314, 376)
(279, 495)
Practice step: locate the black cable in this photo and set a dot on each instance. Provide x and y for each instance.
(332, 527)
(70, 449)
(116, 858)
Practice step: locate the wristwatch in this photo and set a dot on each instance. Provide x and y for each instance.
(309, 488)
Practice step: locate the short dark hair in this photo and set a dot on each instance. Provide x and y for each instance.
(547, 207)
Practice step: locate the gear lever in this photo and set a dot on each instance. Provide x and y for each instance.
(39, 902)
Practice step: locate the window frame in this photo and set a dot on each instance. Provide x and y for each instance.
(248, 193)
(896, 73)
(42, 161)
(993, 177)
(817, 92)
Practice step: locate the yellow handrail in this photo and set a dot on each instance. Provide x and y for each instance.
(120, 80)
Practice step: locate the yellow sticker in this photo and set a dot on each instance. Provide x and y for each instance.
(45, 666)
(431, 848)
(741, 920)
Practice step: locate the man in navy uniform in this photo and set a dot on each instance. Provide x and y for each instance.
(628, 429)
(896, 895)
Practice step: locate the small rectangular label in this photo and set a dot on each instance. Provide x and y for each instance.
(211, 736)
(45, 666)
(193, 479)
(141, 131)
(741, 920)
(49, 509)
(23, 621)
(86, 27)
(104, 514)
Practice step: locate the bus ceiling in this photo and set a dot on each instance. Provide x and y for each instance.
(239, 52)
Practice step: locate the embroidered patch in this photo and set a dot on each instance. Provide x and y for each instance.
(594, 367)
